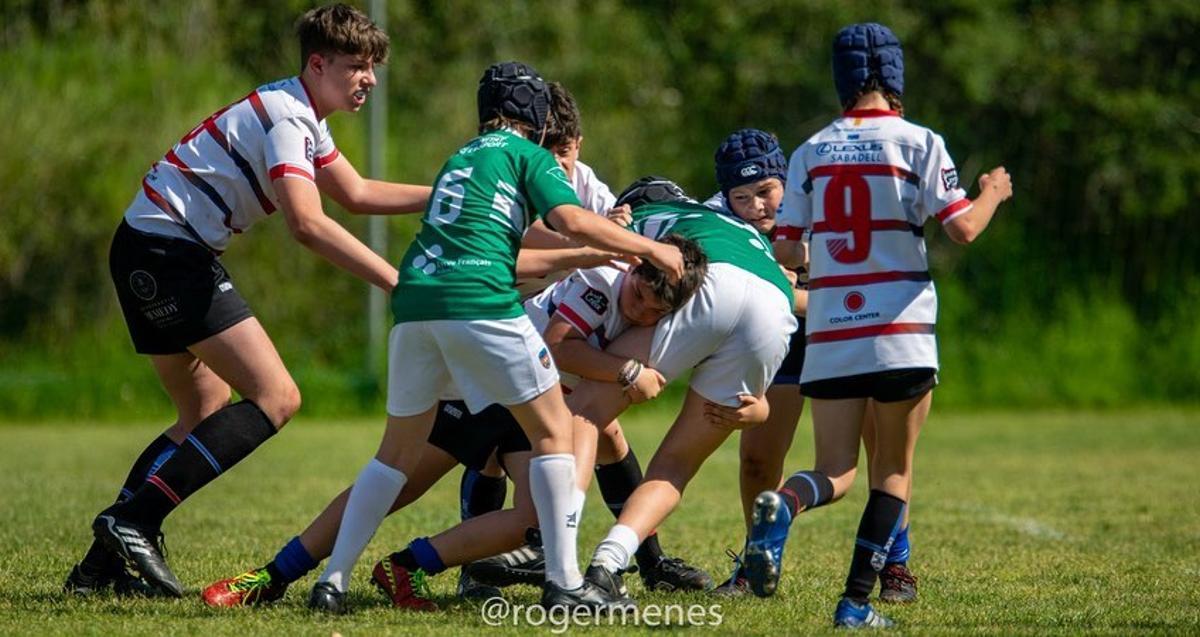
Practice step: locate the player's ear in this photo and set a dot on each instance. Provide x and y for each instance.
(317, 62)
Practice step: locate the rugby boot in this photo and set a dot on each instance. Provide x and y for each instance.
(588, 595)
(141, 549)
(852, 614)
(764, 550)
(524, 565)
(897, 585)
(248, 589)
(404, 589)
(672, 574)
(325, 597)
(469, 588)
(612, 583)
(737, 585)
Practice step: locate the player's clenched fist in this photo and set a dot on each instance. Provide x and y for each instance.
(620, 215)
(998, 181)
(645, 386)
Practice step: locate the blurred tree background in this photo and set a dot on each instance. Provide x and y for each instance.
(1084, 292)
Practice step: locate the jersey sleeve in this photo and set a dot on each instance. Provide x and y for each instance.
(795, 213)
(590, 298)
(594, 194)
(941, 195)
(290, 150)
(546, 184)
(326, 152)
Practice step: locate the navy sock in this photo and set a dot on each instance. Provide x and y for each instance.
(617, 482)
(425, 556)
(479, 494)
(99, 558)
(806, 490)
(214, 446)
(900, 548)
(880, 522)
(291, 562)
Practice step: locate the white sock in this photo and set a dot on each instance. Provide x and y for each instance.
(577, 500)
(370, 498)
(552, 484)
(613, 553)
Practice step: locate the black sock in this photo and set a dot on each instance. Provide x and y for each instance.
(214, 446)
(806, 490)
(479, 494)
(98, 558)
(406, 559)
(617, 482)
(880, 522)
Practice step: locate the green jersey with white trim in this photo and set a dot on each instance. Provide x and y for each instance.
(462, 263)
(724, 238)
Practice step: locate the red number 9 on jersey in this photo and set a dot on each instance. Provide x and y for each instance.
(848, 209)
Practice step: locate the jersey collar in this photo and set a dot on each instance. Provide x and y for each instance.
(870, 112)
(308, 95)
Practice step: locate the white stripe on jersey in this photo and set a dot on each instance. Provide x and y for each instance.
(219, 179)
(864, 187)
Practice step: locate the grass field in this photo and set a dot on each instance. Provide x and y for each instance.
(1022, 523)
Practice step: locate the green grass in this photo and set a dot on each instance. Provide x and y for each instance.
(1022, 523)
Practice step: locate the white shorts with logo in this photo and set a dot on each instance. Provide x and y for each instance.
(480, 362)
(734, 332)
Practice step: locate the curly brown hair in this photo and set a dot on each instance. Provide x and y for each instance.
(695, 267)
(566, 118)
(340, 29)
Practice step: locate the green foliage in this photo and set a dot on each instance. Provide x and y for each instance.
(1083, 292)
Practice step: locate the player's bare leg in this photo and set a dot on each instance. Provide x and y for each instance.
(763, 448)
(244, 358)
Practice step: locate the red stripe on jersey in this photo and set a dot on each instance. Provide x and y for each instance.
(871, 112)
(287, 169)
(877, 225)
(260, 110)
(864, 169)
(789, 233)
(162, 486)
(214, 131)
(847, 280)
(869, 331)
(949, 211)
(574, 319)
(322, 162)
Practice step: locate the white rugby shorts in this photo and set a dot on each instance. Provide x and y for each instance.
(734, 332)
(480, 362)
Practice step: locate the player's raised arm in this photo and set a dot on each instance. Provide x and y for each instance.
(995, 187)
(596, 231)
(301, 204)
(341, 181)
(537, 262)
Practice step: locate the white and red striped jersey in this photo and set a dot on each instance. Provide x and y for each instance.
(219, 179)
(588, 300)
(864, 187)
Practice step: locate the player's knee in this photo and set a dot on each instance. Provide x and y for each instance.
(281, 403)
(756, 468)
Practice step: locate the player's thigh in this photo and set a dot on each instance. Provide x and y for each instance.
(546, 421)
(837, 427)
(194, 389)
(769, 442)
(244, 356)
(688, 443)
(897, 426)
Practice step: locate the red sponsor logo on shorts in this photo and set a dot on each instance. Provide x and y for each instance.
(854, 301)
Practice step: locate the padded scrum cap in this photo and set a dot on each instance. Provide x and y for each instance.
(652, 189)
(516, 91)
(747, 156)
(865, 51)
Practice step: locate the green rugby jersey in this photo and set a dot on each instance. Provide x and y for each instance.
(724, 238)
(462, 263)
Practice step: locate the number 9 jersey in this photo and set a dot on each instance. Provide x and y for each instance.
(864, 187)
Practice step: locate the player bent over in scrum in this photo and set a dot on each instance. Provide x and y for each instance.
(459, 326)
(269, 151)
(867, 251)
(591, 304)
(733, 334)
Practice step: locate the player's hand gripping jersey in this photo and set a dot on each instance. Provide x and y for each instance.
(462, 263)
(864, 186)
(219, 179)
(734, 332)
